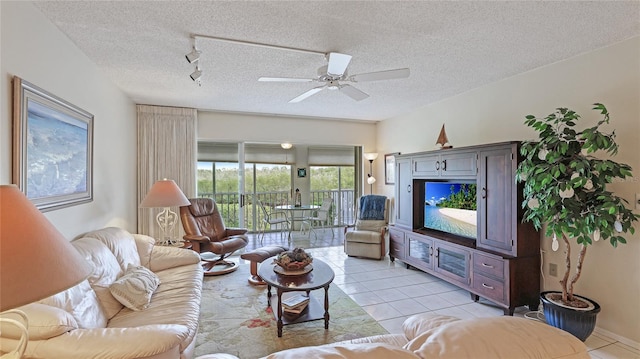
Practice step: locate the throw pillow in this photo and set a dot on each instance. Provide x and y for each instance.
(135, 288)
(120, 242)
(45, 322)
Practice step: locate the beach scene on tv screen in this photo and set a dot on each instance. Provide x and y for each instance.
(451, 207)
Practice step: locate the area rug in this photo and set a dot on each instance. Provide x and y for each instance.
(234, 319)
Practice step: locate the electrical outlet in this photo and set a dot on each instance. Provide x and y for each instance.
(553, 269)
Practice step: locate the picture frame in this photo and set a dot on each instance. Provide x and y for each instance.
(52, 148)
(302, 172)
(390, 168)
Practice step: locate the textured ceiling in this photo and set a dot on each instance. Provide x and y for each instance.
(450, 47)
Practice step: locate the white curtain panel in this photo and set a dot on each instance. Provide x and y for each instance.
(167, 147)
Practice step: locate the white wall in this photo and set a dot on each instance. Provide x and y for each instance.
(34, 49)
(496, 113)
(230, 127)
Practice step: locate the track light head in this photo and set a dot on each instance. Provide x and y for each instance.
(193, 56)
(196, 75)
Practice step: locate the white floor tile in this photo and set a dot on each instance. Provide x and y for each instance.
(391, 294)
(408, 306)
(613, 351)
(382, 311)
(367, 298)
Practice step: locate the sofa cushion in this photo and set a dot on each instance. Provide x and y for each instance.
(106, 270)
(121, 243)
(45, 322)
(135, 288)
(176, 301)
(367, 237)
(351, 351)
(497, 337)
(420, 323)
(370, 225)
(81, 302)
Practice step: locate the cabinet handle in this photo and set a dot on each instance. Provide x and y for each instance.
(430, 251)
(437, 165)
(444, 165)
(409, 188)
(437, 252)
(487, 286)
(484, 193)
(487, 265)
(415, 166)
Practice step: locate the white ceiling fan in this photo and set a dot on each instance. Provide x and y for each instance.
(334, 74)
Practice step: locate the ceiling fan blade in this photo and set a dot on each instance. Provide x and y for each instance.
(380, 75)
(337, 63)
(353, 92)
(309, 93)
(283, 79)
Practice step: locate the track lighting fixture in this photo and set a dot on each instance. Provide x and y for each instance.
(193, 56)
(196, 75)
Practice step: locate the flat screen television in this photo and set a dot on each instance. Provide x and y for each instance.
(451, 207)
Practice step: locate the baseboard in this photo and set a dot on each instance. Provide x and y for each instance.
(617, 337)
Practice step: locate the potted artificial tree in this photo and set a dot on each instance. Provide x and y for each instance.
(565, 188)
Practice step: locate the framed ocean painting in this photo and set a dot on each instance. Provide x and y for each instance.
(52, 148)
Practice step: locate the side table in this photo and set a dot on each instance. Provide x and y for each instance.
(320, 277)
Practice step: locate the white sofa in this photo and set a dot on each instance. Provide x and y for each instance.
(427, 336)
(86, 321)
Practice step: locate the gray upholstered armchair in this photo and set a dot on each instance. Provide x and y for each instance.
(370, 229)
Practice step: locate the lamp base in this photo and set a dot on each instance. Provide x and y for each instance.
(24, 336)
(166, 220)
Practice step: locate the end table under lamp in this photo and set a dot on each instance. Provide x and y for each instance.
(165, 193)
(27, 237)
(370, 179)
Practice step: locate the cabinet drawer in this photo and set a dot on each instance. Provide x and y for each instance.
(397, 251)
(488, 265)
(488, 288)
(396, 244)
(396, 237)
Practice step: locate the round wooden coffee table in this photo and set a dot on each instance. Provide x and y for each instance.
(320, 277)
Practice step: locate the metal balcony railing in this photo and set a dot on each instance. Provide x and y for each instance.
(342, 211)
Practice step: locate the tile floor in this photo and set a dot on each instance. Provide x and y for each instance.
(390, 293)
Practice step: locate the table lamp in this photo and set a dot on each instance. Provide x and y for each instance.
(28, 242)
(165, 193)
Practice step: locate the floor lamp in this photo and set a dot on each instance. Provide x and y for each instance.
(370, 179)
(27, 237)
(165, 194)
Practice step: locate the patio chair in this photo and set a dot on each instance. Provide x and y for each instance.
(273, 219)
(320, 216)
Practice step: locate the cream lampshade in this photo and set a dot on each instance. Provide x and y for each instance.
(164, 194)
(36, 261)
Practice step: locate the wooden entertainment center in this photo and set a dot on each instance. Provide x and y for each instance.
(503, 263)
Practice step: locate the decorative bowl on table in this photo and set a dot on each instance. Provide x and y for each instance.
(296, 261)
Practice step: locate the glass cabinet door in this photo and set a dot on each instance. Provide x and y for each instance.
(420, 252)
(453, 262)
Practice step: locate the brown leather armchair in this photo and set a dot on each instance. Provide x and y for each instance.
(205, 230)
